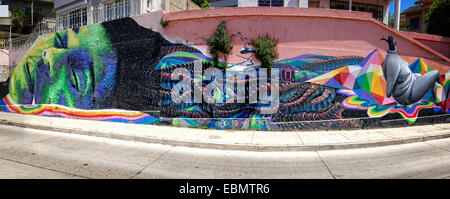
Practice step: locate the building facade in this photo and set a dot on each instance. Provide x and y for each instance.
(414, 17)
(378, 8)
(74, 13)
(5, 20)
(41, 9)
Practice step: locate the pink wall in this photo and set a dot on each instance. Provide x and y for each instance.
(441, 47)
(436, 42)
(300, 31)
(7, 58)
(4, 57)
(4, 62)
(16, 55)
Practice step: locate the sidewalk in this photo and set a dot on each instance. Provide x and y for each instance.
(233, 140)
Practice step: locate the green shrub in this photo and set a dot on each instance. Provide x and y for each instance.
(19, 18)
(164, 23)
(437, 18)
(201, 3)
(265, 51)
(220, 43)
(391, 21)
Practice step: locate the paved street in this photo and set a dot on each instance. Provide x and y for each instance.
(29, 153)
(244, 140)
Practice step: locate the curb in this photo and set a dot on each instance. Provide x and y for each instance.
(220, 146)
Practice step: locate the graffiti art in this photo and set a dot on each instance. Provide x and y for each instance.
(121, 72)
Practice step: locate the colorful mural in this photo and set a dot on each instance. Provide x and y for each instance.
(121, 72)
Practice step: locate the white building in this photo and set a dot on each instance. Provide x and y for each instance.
(74, 13)
(378, 8)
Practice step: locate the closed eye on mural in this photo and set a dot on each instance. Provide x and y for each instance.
(60, 42)
(29, 79)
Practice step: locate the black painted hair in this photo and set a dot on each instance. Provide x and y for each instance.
(138, 50)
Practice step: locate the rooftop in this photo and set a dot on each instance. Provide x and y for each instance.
(423, 2)
(413, 10)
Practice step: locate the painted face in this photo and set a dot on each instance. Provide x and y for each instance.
(74, 68)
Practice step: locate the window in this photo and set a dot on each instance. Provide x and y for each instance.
(414, 23)
(313, 4)
(273, 3)
(117, 9)
(376, 10)
(38, 9)
(73, 19)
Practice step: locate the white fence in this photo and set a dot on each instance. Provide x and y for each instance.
(83, 16)
(107, 12)
(46, 25)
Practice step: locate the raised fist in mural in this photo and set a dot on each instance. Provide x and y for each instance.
(405, 86)
(390, 41)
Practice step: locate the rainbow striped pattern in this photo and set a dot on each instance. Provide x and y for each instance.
(53, 110)
(353, 101)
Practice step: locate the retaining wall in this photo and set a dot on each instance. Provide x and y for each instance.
(301, 31)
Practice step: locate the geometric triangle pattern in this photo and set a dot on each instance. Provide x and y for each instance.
(419, 66)
(366, 79)
(441, 95)
(443, 92)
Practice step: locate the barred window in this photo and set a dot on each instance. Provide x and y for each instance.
(376, 10)
(273, 3)
(117, 9)
(73, 19)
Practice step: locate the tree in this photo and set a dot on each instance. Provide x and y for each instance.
(19, 19)
(22, 22)
(265, 51)
(53, 14)
(201, 3)
(391, 21)
(220, 43)
(438, 18)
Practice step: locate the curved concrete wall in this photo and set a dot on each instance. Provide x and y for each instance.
(300, 31)
(436, 42)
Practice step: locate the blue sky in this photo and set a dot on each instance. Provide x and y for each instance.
(405, 4)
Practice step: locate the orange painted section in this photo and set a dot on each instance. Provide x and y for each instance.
(300, 31)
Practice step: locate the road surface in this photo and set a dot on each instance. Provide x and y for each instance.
(30, 153)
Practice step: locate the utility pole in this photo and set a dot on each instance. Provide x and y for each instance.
(10, 39)
(397, 15)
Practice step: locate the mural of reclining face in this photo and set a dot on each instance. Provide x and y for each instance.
(74, 68)
(121, 65)
(99, 66)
